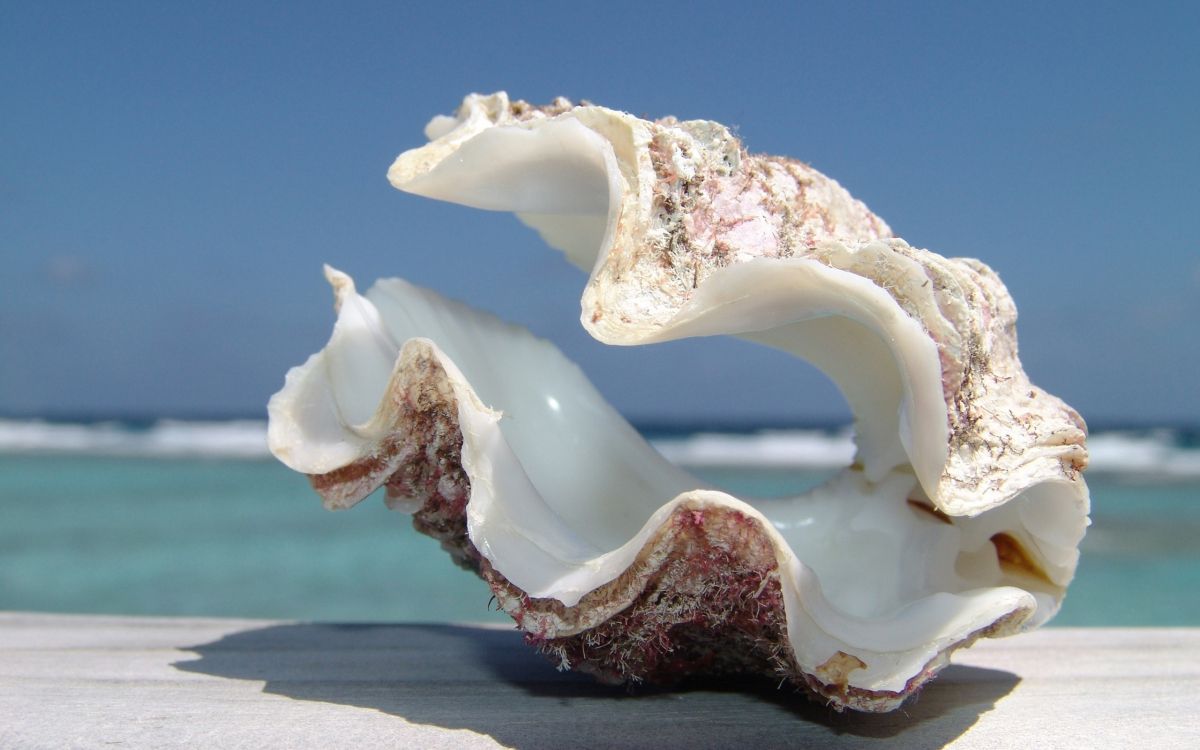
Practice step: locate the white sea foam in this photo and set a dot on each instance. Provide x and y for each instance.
(166, 438)
(1146, 454)
(1150, 454)
(782, 449)
(1154, 454)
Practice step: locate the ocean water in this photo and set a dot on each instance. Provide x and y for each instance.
(184, 519)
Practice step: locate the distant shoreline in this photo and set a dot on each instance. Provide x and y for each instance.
(1152, 453)
(1187, 432)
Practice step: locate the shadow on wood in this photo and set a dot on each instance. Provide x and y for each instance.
(488, 681)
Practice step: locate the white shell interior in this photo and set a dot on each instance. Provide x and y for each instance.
(565, 493)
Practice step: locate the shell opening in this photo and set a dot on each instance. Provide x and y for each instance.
(565, 494)
(961, 515)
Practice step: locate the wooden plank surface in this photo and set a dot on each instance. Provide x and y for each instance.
(92, 681)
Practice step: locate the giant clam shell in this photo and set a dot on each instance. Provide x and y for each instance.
(960, 517)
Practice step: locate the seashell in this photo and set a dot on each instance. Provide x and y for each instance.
(960, 517)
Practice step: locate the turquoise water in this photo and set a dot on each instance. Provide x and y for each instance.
(249, 538)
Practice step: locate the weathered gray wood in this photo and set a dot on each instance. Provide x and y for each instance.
(87, 681)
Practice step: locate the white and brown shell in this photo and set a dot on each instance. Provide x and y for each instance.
(960, 517)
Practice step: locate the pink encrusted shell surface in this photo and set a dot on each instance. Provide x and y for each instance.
(685, 234)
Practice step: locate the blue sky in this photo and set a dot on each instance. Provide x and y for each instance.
(173, 175)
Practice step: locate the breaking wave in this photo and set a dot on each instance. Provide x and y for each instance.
(782, 449)
(167, 438)
(1161, 453)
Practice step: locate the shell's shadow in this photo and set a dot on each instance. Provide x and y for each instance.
(488, 681)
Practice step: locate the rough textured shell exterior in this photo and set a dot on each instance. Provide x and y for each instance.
(692, 201)
(685, 234)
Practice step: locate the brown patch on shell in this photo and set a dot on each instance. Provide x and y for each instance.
(878, 701)
(351, 474)
(836, 669)
(1014, 558)
(521, 110)
(923, 507)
